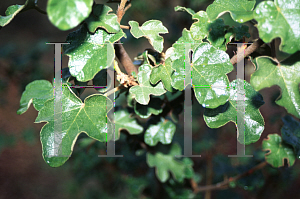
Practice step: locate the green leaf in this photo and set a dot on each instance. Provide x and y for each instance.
(163, 72)
(90, 53)
(162, 132)
(210, 82)
(279, 19)
(13, 10)
(89, 117)
(166, 163)
(290, 133)
(123, 120)
(237, 32)
(145, 111)
(240, 10)
(278, 151)
(253, 120)
(67, 14)
(182, 9)
(143, 91)
(200, 28)
(99, 18)
(151, 30)
(37, 93)
(100, 80)
(285, 75)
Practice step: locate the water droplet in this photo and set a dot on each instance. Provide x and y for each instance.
(271, 17)
(241, 20)
(257, 12)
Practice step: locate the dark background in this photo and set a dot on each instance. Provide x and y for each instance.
(24, 57)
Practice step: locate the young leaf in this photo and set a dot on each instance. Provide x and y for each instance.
(99, 18)
(151, 30)
(143, 91)
(182, 9)
(37, 93)
(67, 14)
(285, 75)
(13, 10)
(240, 10)
(210, 82)
(166, 163)
(89, 117)
(290, 133)
(123, 120)
(279, 19)
(162, 132)
(254, 122)
(163, 72)
(90, 53)
(278, 151)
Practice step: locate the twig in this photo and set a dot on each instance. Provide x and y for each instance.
(125, 27)
(125, 59)
(121, 11)
(224, 184)
(235, 59)
(127, 7)
(113, 91)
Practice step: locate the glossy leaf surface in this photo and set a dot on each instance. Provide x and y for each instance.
(278, 151)
(166, 163)
(151, 30)
(90, 53)
(253, 120)
(210, 82)
(37, 93)
(188, 10)
(77, 117)
(240, 10)
(290, 133)
(67, 14)
(123, 120)
(162, 132)
(279, 19)
(100, 18)
(285, 75)
(163, 72)
(143, 91)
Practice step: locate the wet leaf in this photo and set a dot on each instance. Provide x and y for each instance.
(279, 19)
(90, 53)
(163, 72)
(253, 120)
(89, 117)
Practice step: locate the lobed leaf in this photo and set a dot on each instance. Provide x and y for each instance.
(163, 72)
(279, 19)
(285, 75)
(143, 91)
(100, 18)
(166, 163)
(90, 53)
(37, 93)
(151, 30)
(89, 117)
(253, 120)
(123, 120)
